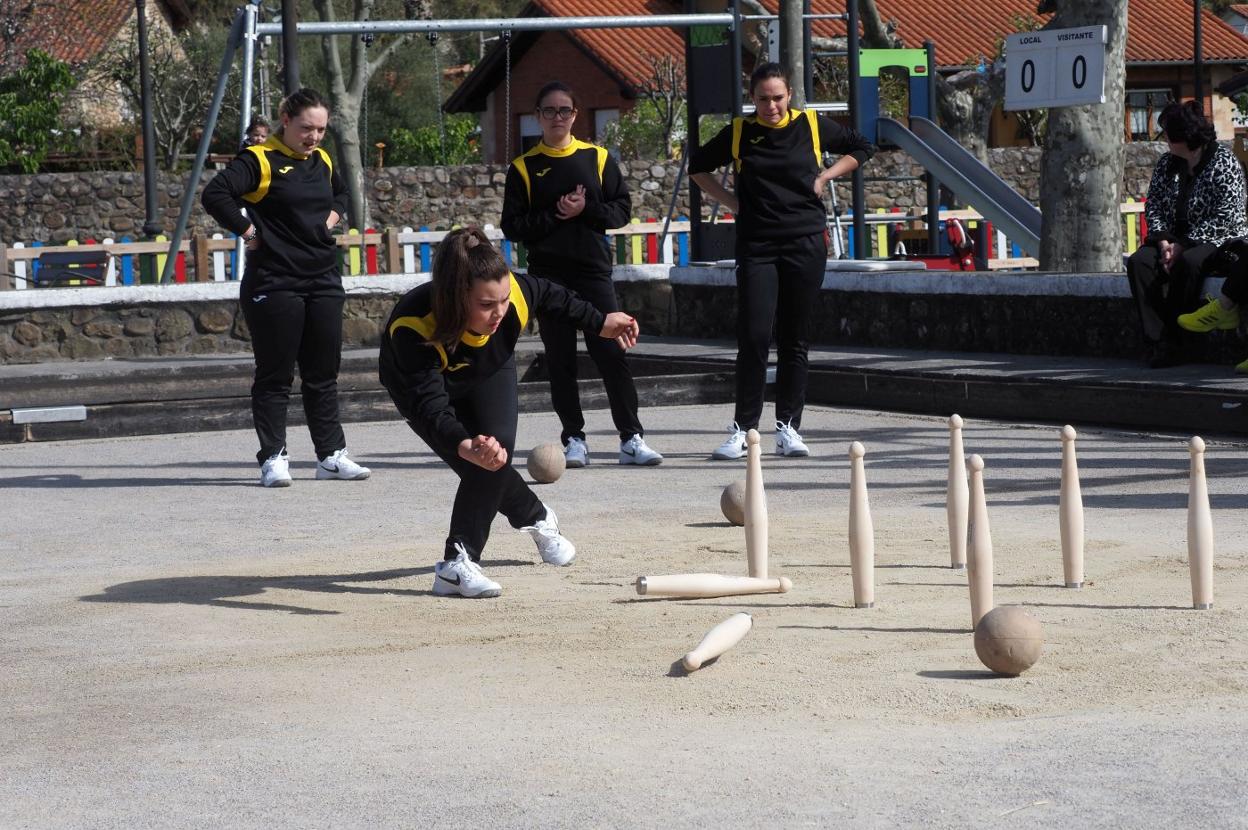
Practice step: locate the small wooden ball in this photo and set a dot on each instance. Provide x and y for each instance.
(1008, 640)
(732, 503)
(546, 463)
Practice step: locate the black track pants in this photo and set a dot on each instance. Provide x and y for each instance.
(559, 336)
(778, 284)
(488, 409)
(301, 327)
(1161, 297)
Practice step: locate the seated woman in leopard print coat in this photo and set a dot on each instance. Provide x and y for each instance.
(1196, 201)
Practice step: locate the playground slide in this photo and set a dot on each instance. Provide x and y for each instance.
(974, 183)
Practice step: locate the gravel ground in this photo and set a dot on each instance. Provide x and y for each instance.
(182, 648)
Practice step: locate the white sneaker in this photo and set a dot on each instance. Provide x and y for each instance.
(275, 471)
(635, 451)
(340, 466)
(464, 577)
(555, 549)
(788, 442)
(575, 454)
(734, 447)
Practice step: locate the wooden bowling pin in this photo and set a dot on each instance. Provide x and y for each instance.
(709, 585)
(957, 496)
(1199, 529)
(1070, 512)
(718, 640)
(755, 508)
(861, 531)
(979, 558)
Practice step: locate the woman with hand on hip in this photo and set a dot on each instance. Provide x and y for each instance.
(560, 199)
(291, 293)
(781, 246)
(448, 361)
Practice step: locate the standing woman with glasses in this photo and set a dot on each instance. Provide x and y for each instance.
(560, 199)
(781, 247)
(291, 293)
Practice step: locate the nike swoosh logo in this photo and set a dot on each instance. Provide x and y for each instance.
(259, 298)
(454, 581)
(629, 452)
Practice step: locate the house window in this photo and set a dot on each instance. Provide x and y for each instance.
(530, 132)
(601, 119)
(1143, 107)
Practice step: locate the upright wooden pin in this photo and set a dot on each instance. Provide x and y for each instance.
(1199, 529)
(755, 508)
(957, 496)
(979, 559)
(718, 640)
(1070, 512)
(861, 531)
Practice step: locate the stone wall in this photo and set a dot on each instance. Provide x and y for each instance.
(1009, 321)
(62, 206)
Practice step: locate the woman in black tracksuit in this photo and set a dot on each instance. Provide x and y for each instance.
(291, 293)
(560, 199)
(781, 247)
(447, 359)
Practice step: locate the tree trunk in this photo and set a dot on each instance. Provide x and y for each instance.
(965, 103)
(1081, 168)
(346, 128)
(791, 55)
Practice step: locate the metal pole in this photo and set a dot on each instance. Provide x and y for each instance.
(692, 142)
(1197, 62)
(251, 14)
(859, 188)
(205, 140)
(151, 226)
(290, 46)
(933, 184)
(808, 59)
(736, 58)
(515, 24)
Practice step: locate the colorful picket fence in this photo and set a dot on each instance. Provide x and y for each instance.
(203, 258)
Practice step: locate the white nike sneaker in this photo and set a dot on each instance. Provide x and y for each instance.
(340, 466)
(788, 442)
(464, 577)
(635, 451)
(732, 448)
(275, 471)
(554, 548)
(575, 454)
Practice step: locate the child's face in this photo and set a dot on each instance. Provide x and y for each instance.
(488, 301)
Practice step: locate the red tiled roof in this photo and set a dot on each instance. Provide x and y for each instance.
(626, 51)
(74, 31)
(1157, 30)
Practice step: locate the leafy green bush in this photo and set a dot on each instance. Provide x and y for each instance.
(30, 107)
(424, 146)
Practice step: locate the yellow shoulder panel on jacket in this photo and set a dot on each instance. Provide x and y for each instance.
(424, 327)
(518, 302)
(266, 175)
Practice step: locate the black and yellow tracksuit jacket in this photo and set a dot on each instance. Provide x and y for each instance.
(288, 196)
(424, 378)
(535, 183)
(776, 168)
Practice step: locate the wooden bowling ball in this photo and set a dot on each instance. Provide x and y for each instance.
(545, 463)
(732, 503)
(1008, 640)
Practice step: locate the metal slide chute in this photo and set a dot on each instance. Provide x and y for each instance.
(955, 166)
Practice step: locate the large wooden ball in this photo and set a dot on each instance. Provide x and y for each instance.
(732, 503)
(546, 463)
(1008, 640)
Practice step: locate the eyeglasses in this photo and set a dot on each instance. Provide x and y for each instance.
(551, 113)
